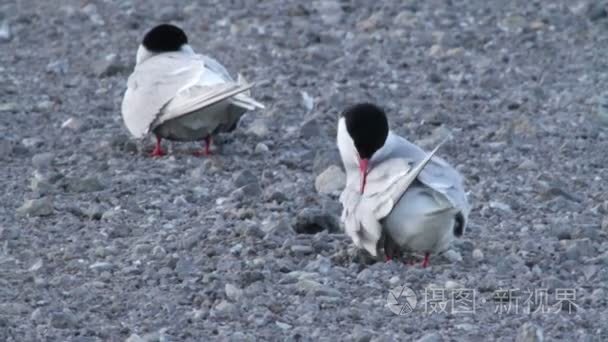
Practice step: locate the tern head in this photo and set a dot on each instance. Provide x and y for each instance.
(163, 38)
(365, 128)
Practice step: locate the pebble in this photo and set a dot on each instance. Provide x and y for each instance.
(330, 181)
(233, 293)
(604, 225)
(84, 185)
(43, 160)
(310, 129)
(312, 221)
(283, 326)
(300, 249)
(259, 128)
(58, 67)
(529, 332)
(37, 207)
(34, 142)
(324, 159)
(5, 31)
(9, 233)
(247, 191)
(244, 177)
(307, 101)
(450, 285)
(73, 124)
(330, 11)
(135, 338)
(107, 66)
(453, 256)
(261, 148)
(6, 147)
(597, 10)
(62, 320)
(431, 337)
(500, 206)
(477, 254)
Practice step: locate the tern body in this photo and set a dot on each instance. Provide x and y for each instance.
(397, 197)
(179, 95)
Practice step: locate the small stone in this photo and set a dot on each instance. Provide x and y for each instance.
(529, 332)
(225, 308)
(44, 106)
(101, 266)
(310, 129)
(135, 338)
(261, 148)
(604, 224)
(332, 180)
(307, 101)
(58, 67)
(300, 249)
(37, 207)
(73, 124)
(249, 190)
(431, 337)
(500, 206)
(107, 66)
(32, 142)
(453, 256)
(528, 164)
(259, 128)
(280, 230)
(170, 13)
(62, 320)
(243, 178)
(8, 107)
(43, 160)
(370, 23)
(277, 196)
(450, 285)
(330, 11)
(324, 159)
(233, 293)
(308, 285)
(365, 275)
(37, 316)
(5, 31)
(312, 221)
(597, 10)
(9, 233)
(478, 254)
(83, 185)
(6, 147)
(283, 326)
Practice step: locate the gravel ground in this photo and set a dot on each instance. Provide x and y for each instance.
(99, 242)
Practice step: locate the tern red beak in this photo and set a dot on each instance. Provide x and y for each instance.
(363, 169)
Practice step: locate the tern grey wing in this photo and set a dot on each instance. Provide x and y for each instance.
(386, 184)
(438, 174)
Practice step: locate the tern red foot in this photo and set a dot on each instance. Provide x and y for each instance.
(207, 151)
(158, 151)
(425, 262)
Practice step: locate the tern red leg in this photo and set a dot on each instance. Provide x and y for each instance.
(425, 262)
(207, 150)
(158, 151)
